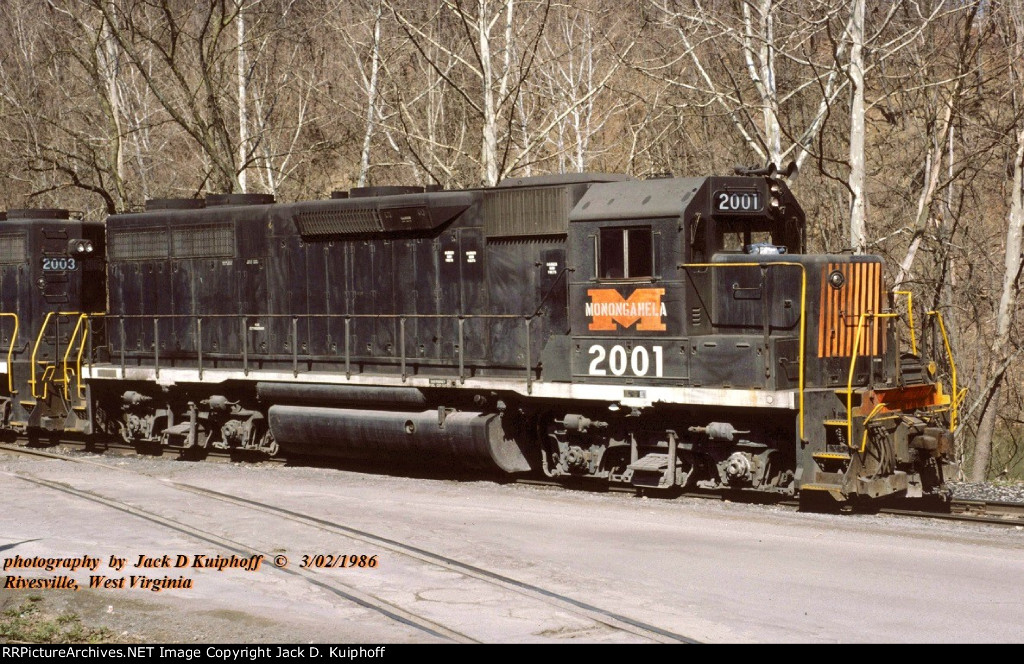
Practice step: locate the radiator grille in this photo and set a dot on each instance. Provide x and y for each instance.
(326, 223)
(526, 212)
(841, 309)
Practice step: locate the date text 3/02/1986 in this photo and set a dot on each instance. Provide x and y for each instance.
(321, 561)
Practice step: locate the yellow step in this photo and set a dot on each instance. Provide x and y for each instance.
(841, 456)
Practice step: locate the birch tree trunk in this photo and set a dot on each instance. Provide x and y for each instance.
(371, 96)
(489, 141)
(243, 115)
(858, 209)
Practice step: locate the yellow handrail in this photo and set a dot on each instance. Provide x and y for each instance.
(864, 438)
(803, 312)
(33, 381)
(35, 350)
(952, 371)
(849, 382)
(39, 340)
(78, 364)
(67, 354)
(10, 352)
(910, 318)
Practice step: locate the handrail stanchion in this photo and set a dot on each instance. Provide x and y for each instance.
(462, 364)
(124, 342)
(35, 349)
(401, 346)
(295, 346)
(199, 344)
(67, 354)
(348, 338)
(849, 383)
(245, 346)
(910, 318)
(529, 361)
(90, 348)
(78, 362)
(156, 345)
(954, 397)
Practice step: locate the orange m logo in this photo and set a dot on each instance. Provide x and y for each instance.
(607, 307)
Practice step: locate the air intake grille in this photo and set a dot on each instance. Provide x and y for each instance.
(12, 249)
(325, 223)
(138, 244)
(203, 241)
(526, 212)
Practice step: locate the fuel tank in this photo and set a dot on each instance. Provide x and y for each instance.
(437, 438)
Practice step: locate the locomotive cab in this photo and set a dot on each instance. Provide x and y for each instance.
(672, 312)
(730, 359)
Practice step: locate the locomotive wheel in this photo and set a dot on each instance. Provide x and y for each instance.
(195, 452)
(192, 454)
(615, 460)
(148, 448)
(42, 438)
(822, 502)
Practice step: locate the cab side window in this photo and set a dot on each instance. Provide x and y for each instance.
(625, 253)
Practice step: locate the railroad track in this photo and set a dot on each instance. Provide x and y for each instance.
(520, 591)
(345, 592)
(972, 511)
(993, 509)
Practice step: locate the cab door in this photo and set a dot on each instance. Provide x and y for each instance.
(626, 317)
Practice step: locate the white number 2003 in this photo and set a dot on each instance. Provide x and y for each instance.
(619, 360)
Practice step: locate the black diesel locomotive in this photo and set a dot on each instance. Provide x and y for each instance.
(659, 333)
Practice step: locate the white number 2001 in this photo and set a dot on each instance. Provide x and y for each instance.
(638, 362)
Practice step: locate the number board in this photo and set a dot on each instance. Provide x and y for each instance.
(742, 201)
(61, 264)
(607, 359)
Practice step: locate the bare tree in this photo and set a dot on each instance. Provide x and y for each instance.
(488, 74)
(1013, 257)
(568, 104)
(72, 136)
(184, 54)
(737, 58)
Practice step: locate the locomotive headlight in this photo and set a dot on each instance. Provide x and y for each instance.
(775, 195)
(79, 247)
(836, 279)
